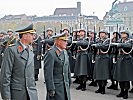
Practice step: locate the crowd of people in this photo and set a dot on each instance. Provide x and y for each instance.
(92, 56)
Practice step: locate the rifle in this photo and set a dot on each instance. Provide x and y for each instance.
(116, 50)
(95, 50)
(61, 29)
(44, 44)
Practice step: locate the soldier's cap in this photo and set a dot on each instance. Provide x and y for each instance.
(28, 29)
(65, 29)
(82, 29)
(3, 32)
(61, 36)
(103, 31)
(9, 30)
(124, 31)
(49, 29)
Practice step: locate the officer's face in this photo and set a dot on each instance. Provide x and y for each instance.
(62, 44)
(30, 37)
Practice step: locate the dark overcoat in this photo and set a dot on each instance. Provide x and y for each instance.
(82, 65)
(37, 49)
(102, 62)
(124, 66)
(57, 74)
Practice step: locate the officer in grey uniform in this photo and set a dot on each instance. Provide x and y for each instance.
(57, 70)
(123, 71)
(17, 70)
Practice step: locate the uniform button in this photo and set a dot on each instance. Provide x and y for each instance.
(63, 73)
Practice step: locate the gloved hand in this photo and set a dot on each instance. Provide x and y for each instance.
(38, 57)
(51, 93)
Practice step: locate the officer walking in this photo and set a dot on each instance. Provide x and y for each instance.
(57, 70)
(17, 72)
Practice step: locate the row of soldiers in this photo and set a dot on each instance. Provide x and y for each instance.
(97, 57)
(101, 58)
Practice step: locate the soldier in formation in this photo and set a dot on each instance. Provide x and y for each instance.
(37, 49)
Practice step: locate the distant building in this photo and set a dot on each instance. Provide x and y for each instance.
(124, 11)
(68, 11)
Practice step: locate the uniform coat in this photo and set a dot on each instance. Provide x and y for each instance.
(82, 65)
(17, 74)
(37, 49)
(102, 62)
(57, 74)
(124, 66)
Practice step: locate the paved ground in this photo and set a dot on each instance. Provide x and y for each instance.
(89, 94)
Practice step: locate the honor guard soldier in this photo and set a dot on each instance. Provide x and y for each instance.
(10, 39)
(101, 68)
(57, 70)
(91, 35)
(2, 47)
(37, 49)
(48, 40)
(69, 49)
(82, 66)
(123, 71)
(113, 58)
(17, 69)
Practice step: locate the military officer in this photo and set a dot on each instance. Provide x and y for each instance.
(101, 67)
(37, 49)
(17, 73)
(57, 70)
(123, 71)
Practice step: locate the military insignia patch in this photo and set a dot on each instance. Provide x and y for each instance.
(20, 48)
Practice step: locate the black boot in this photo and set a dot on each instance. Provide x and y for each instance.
(84, 86)
(131, 91)
(121, 94)
(125, 96)
(79, 87)
(99, 90)
(115, 87)
(93, 83)
(111, 86)
(36, 77)
(77, 80)
(103, 90)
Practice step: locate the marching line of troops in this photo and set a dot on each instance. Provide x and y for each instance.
(97, 57)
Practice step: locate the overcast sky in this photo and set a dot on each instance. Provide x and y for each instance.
(47, 7)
